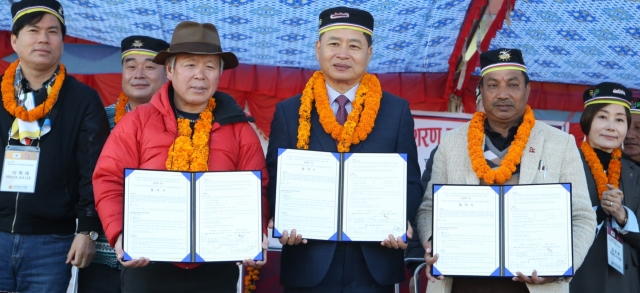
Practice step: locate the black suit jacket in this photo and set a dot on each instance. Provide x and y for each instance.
(305, 265)
(595, 275)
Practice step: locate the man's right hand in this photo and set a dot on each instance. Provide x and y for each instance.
(134, 263)
(430, 260)
(293, 239)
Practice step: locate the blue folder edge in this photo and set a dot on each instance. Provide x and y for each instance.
(436, 187)
(435, 271)
(276, 233)
(569, 272)
(403, 156)
(496, 189)
(126, 256)
(187, 175)
(495, 273)
(335, 237)
(280, 151)
(187, 258)
(259, 256)
(337, 156)
(128, 172)
(404, 237)
(199, 258)
(567, 186)
(347, 156)
(507, 188)
(507, 273)
(258, 174)
(198, 175)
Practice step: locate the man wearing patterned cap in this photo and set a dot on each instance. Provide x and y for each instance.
(632, 141)
(55, 128)
(346, 95)
(512, 145)
(141, 78)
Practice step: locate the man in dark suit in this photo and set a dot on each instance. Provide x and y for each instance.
(376, 122)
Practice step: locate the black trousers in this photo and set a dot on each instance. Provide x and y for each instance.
(348, 273)
(99, 278)
(166, 277)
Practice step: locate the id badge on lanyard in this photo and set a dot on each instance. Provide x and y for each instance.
(615, 248)
(20, 168)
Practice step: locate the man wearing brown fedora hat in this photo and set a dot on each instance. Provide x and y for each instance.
(342, 98)
(187, 126)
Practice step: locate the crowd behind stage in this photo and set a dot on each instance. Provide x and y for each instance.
(61, 191)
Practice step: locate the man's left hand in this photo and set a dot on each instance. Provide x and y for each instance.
(265, 247)
(81, 252)
(398, 243)
(534, 279)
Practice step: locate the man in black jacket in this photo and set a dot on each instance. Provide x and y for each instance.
(54, 127)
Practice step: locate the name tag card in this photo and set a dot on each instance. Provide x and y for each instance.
(19, 169)
(615, 250)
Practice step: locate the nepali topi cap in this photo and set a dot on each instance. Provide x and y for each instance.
(346, 17)
(607, 93)
(502, 59)
(142, 45)
(24, 7)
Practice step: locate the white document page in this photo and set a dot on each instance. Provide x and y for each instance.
(228, 216)
(157, 215)
(538, 230)
(307, 193)
(375, 196)
(466, 230)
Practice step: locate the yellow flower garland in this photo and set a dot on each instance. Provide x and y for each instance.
(121, 109)
(359, 123)
(475, 146)
(192, 154)
(9, 95)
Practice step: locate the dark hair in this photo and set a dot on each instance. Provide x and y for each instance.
(590, 112)
(32, 19)
(366, 37)
(526, 79)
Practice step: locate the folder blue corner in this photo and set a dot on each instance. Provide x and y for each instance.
(276, 233)
(126, 256)
(435, 271)
(259, 256)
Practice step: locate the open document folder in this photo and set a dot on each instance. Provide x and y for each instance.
(341, 196)
(500, 230)
(192, 216)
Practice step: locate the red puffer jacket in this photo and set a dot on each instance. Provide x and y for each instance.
(142, 140)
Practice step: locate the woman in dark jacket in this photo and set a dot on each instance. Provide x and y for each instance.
(614, 187)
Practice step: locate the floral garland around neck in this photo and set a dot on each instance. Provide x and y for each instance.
(9, 96)
(121, 107)
(359, 122)
(475, 146)
(612, 176)
(192, 153)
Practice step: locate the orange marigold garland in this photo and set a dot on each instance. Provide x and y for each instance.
(192, 153)
(253, 275)
(121, 106)
(612, 176)
(475, 146)
(359, 122)
(9, 96)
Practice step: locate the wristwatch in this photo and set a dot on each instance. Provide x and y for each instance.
(93, 235)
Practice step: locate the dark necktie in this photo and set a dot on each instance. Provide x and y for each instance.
(341, 116)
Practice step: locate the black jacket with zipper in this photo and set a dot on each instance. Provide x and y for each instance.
(68, 155)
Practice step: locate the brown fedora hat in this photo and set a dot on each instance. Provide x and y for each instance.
(194, 38)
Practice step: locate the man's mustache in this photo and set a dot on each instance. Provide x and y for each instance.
(503, 103)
